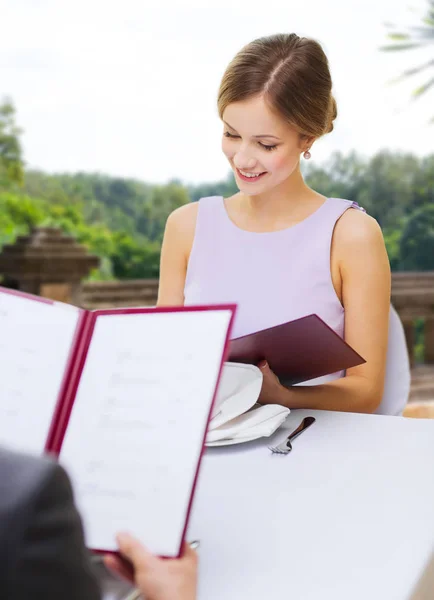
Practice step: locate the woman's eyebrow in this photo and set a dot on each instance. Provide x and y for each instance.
(264, 135)
(267, 136)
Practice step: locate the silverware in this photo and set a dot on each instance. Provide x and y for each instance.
(286, 446)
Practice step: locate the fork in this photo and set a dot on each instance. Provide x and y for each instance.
(286, 446)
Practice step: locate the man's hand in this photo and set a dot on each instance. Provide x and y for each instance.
(157, 578)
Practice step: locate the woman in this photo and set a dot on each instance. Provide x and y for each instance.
(277, 248)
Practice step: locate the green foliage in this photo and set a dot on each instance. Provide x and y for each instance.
(17, 215)
(11, 162)
(122, 256)
(392, 240)
(224, 188)
(135, 260)
(122, 204)
(419, 346)
(417, 243)
(161, 202)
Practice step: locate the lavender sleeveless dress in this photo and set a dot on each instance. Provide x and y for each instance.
(277, 277)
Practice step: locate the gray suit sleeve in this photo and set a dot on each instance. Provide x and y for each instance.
(53, 561)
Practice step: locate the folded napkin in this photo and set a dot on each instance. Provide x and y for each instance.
(236, 416)
(258, 422)
(239, 389)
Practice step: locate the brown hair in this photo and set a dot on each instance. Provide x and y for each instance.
(292, 73)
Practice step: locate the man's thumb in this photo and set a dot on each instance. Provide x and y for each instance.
(133, 549)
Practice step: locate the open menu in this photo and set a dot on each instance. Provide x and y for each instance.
(123, 397)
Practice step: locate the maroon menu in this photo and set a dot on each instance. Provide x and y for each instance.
(296, 351)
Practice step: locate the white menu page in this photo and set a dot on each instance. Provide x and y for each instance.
(35, 343)
(137, 425)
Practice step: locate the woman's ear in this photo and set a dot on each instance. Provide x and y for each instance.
(309, 142)
(306, 142)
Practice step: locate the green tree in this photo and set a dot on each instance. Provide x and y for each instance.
(161, 202)
(387, 188)
(412, 38)
(17, 215)
(135, 260)
(392, 240)
(11, 161)
(417, 242)
(224, 188)
(339, 177)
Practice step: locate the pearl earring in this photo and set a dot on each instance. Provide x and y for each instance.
(307, 154)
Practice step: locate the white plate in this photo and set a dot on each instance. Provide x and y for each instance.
(264, 422)
(233, 442)
(258, 422)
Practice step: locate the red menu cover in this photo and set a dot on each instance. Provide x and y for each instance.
(123, 398)
(297, 351)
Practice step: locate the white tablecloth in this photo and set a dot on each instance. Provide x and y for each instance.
(348, 515)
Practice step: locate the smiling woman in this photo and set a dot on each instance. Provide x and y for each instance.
(277, 248)
(270, 158)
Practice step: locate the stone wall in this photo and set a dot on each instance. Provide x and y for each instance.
(47, 263)
(113, 294)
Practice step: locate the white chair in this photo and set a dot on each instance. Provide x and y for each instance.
(398, 375)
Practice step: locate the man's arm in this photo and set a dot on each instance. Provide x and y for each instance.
(53, 561)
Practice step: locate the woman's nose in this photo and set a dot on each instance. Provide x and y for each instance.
(242, 161)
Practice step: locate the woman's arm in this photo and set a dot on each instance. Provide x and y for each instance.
(175, 252)
(358, 248)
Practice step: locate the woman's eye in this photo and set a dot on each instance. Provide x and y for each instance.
(264, 146)
(269, 148)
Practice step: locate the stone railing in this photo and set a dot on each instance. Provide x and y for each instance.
(113, 294)
(413, 298)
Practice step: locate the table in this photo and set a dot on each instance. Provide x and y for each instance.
(347, 515)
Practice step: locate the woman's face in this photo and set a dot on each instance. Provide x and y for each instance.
(261, 148)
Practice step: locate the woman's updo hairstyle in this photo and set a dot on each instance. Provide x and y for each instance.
(292, 73)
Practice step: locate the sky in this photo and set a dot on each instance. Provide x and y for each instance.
(129, 87)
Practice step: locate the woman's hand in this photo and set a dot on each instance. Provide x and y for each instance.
(272, 391)
(157, 578)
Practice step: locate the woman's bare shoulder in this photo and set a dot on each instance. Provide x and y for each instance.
(175, 252)
(183, 219)
(355, 229)
(360, 249)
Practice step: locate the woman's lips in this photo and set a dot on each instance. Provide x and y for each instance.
(253, 176)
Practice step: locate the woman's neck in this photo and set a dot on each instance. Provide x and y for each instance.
(292, 199)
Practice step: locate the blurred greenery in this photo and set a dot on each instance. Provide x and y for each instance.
(419, 347)
(11, 161)
(122, 220)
